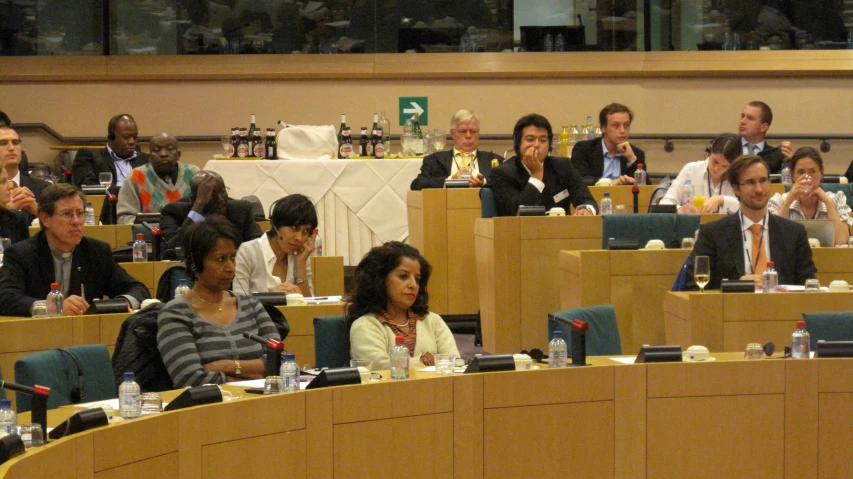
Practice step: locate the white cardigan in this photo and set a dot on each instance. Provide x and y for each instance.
(370, 339)
(255, 261)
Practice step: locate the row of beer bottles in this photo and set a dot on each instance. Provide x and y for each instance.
(376, 144)
(248, 143)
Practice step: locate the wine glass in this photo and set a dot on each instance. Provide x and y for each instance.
(439, 140)
(702, 271)
(226, 145)
(698, 202)
(105, 179)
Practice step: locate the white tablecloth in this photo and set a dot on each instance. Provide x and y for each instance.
(360, 203)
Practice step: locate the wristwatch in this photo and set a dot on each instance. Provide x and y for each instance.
(237, 369)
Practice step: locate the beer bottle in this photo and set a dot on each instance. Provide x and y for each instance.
(243, 145)
(251, 139)
(235, 140)
(378, 146)
(363, 143)
(419, 143)
(258, 147)
(271, 147)
(369, 135)
(341, 130)
(345, 149)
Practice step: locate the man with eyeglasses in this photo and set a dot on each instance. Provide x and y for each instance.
(59, 253)
(755, 120)
(740, 245)
(24, 190)
(151, 187)
(119, 157)
(208, 196)
(463, 161)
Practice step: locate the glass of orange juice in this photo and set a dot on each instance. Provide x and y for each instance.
(698, 202)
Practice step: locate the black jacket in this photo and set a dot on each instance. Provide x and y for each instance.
(437, 166)
(14, 225)
(588, 158)
(175, 217)
(88, 163)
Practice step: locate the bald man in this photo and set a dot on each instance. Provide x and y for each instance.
(208, 196)
(163, 180)
(119, 157)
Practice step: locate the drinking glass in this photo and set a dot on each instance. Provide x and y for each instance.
(273, 385)
(439, 140)
(619, 210)
(812, 285)
(226, 145)
(32, 435)
(365, 366)
(807, 188)
(105, 179)
(698, 202)
(4, 243)
(428, 145)
(702, 271)
(687, 243)
(39, 309)
(152, 403)
(408, 142)
(753, 351)
(444, 364)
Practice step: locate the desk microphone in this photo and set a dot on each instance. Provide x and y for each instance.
(32, 391)
(113, 212)
(636, 191)
(273, 344)
(156, 240)
(273, 357)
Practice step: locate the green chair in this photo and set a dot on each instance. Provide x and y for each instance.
(331, 342)
(170, 279)
(602, 338)
(668, 227)
(75, 374)
(847, 188)
(829, 327)
(488, 204)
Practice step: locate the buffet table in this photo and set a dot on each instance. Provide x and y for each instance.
(360, 203)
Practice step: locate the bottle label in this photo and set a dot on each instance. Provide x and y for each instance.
(230, 150)
(243, 150)
(259, 149)
(369, 149)
(379, 150)
(345, 150)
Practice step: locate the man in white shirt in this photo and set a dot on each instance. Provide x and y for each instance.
(464, 159)
(709, 180)
(755, 120)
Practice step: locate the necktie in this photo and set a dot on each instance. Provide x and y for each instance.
(759, 256)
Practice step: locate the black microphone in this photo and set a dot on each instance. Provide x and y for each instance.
(636, 191)
(675, 243)
(273, 344)
(156, 240)
(32, 391)
(113, 201)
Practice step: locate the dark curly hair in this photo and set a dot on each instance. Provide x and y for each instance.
(200, 238)
(370, 295)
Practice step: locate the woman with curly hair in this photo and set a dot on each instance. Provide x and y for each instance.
(390, 299)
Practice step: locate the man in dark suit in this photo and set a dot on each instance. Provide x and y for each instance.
(611, 156)
(119, 157)
(739, 246)
(208, 196)
(463, 159)
(24, 164)
(60, 253)
(25, 190)
(13, 224)
(755, 120)
(533, 178)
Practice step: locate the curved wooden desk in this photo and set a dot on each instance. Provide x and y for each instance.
(727, 418)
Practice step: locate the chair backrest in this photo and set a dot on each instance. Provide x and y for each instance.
(136, 351)
(847, 188)
(331, 342)
(169, 281)
(488, 205)
(146, 233)
(680, 283)
(828, 327)
(602, 338)
(659, 192)
(85, 368)
(668, 227)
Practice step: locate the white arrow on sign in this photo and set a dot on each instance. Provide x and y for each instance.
(417, 109)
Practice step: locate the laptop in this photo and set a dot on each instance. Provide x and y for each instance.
(823, 230)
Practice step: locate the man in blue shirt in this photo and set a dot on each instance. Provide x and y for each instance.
(611, 156)
(119, 157)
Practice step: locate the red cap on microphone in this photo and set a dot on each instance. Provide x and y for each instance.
(41, 390)
(578, 324)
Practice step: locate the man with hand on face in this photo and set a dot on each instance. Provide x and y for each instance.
(60, 253)
(755, 120)
(24, 190)
(610, 156)
(464, 159)
(119, 157)
(163, 180)
(534, 178)
(208, 196)
(739, 246)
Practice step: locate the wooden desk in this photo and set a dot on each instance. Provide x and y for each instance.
(727, 322)
(622, 195)
(441, 226)
(114, 235)
(627, 421)
(517, 273)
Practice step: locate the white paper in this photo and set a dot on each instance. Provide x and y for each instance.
(431, 369)
(259, 383)
(111, 403)
(323, 299)
(624, 360)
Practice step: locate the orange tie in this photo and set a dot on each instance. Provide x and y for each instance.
(759, 256)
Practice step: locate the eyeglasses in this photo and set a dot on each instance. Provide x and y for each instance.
(465, 132)
(68, 215)
(6, 143)
(810, 172)
(752, 183)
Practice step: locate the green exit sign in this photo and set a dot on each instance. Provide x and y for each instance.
(409, 105)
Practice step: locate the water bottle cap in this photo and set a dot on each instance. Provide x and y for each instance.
(400, 340)
(129, 376)
(182, 282)
(801, 324)
(557, 334)
(607, 195)
(140, 236)
(54, 285)
(88, 204)
(640, 166)
(289, 357)
(771, 264)
(5, 404)
(316, 231)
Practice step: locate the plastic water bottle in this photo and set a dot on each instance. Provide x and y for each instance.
(8, 418)
(591, 129)
(290, 373)
(399, 360)
(640, 175)
(687, 195)
(140, 249)
(800, 341)
(548, 43)
(560, 43)
(90, 215)
(558, 351)
(584, 132)
(606, 205)
(129, 400)
(318, 243)
(55, 300)
(787, 180)
(576, 136)
(770, 279)
(182, 289)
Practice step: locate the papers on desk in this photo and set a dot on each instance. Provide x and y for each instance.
(795, 288)
(106, 404)
(259, 383)
(431, 369)
(624, 360)
(322, 300)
